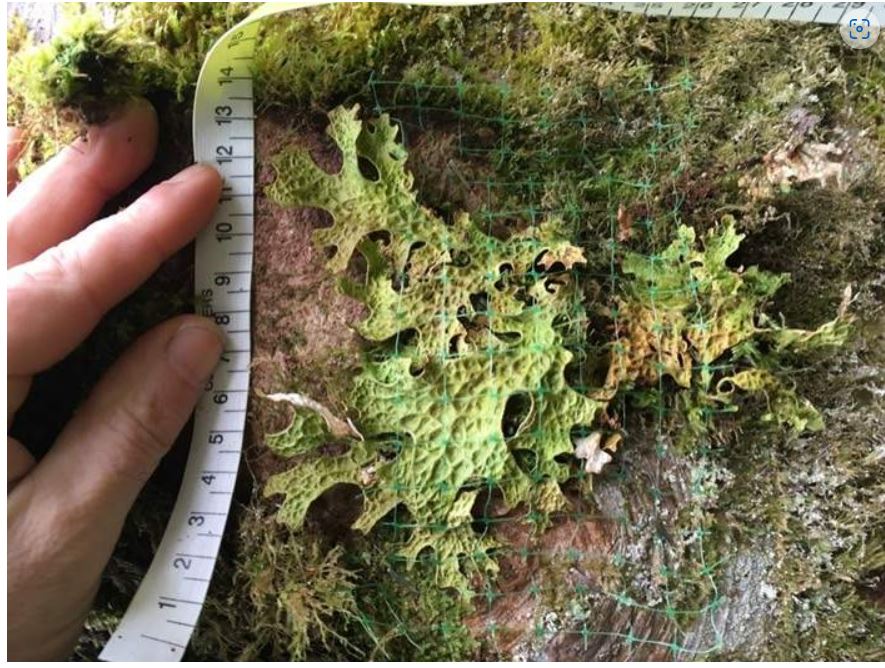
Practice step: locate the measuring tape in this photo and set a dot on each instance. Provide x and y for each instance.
(801, 12)
(162, 616)
(160, 619)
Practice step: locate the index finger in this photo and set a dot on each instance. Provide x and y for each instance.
(55, 300)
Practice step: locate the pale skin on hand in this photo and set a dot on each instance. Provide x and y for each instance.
(64, 271)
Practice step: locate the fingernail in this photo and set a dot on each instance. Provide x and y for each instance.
(194, 350)
(191, 172)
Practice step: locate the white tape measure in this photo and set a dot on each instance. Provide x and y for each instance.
(801, 12)
(159, 622)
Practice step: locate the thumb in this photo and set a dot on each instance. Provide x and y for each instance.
(65, 516)
(115, 441)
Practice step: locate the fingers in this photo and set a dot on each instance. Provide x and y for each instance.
(56, 299)
(67, 514)
(133, 416)
(15, 144)
(67, 193)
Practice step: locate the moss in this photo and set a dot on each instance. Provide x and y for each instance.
(73, 70)
(47, 127)
(814, 499)
(407, 616)
(280, 599)
(153, 50)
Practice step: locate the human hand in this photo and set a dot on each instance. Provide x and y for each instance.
(65, 513)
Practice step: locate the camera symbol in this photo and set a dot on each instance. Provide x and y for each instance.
(860, 32)
(860, 27)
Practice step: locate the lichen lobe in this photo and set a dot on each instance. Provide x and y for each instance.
(432, 406)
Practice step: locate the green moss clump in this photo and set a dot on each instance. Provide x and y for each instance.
(281, 599)
(153, 50)
(278, 597)
(86, 67)
(402, 612)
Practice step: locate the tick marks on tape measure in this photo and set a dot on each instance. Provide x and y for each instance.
(180, 623)
(163, 640)
(804, 12)
(180, 600)
(195, 556)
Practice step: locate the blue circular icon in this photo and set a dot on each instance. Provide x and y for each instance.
(860, 31)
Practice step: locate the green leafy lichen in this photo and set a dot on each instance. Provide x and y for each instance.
(432, 406)
(311, 428)
(685, 314)
(464, 323)
(362, 204)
